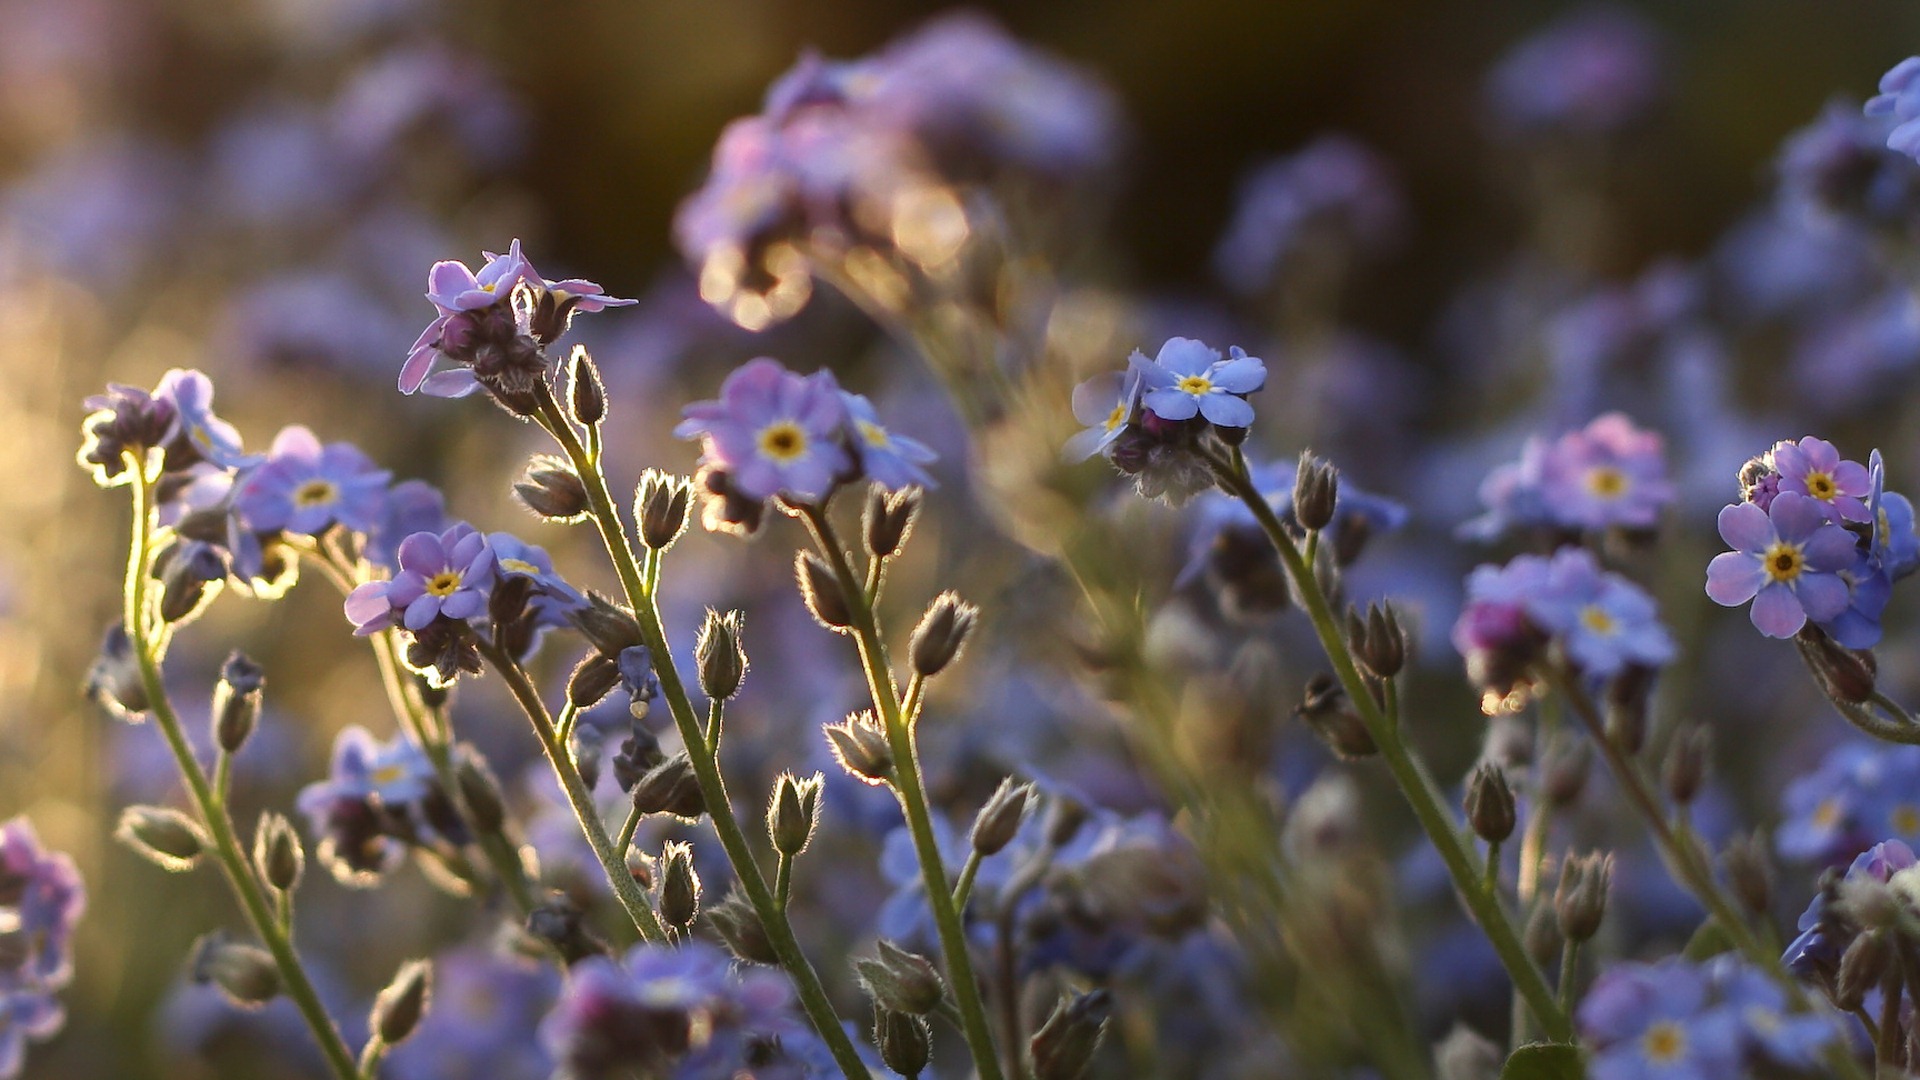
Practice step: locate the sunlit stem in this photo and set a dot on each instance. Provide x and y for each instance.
(639, 589)
(963, 891)
(209, 803)
(371, 1056)
(1421, 793)
(911, 795)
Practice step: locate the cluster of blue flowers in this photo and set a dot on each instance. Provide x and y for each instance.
(1149, 420)
(41, 898)
(1677, 1018)
(1607, 475)
(1860, 794)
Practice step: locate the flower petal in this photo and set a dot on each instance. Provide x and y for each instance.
(1777, 613)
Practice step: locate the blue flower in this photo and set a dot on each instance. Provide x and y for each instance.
(1899, 98)
(1106, 404)
(484, 1021)
(893, 461)
(1656, 1022)
(552, 598)
(1605, 622)
(1787, 559)
(1895, 544)
(1187, 379)
(191, 395)
(304, 488)
(772, 431)
(450, 574)
(1860, 792)
(1817, 949)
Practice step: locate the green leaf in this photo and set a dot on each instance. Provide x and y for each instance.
(1545, 1061)
(1709, 941)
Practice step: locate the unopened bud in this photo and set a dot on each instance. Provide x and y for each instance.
(1316, 488)
(941, 634)
(1580, 902)
(277, 853)
(1063, 1047)
(1565, 774)
(905, 1041)
(585, 392)
(1627, 707)
(1385, 647)
(611, 628)
(821, 591)
(593, 678)
(1324, 708)
(901, 981)
(1862, 967)
(739, 926)
(1065, 816)
(236, 702)
(1465, 1054)
(189, 573)
(166, 837)
(1686, 770)
(1847, 676)
(480, 790)
(246, 974)
(889, 518)
(551, 489)
(999, 819)
(861, 748)
(1542, 936)
(794, 812)
(720, 656)
(1489, 804)
(398, 1008)
(661, 504)
(1750, 874)
(679, 885)
(670, 787)
(562, 925)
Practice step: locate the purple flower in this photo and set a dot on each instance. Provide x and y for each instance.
(448, 574)
(191, 395)
(1648, 1021)
(1494, 632)
(1794, 1040)
(1332, 195)
(893, 461)
(452, 287)
(1894, 545)
(25, 1015)
(1605, 622)
(125, 418)
(1823, 939)
(1899, 98)
(1607, 474)
(411, 506)
(1813, 468)
(1786, 559)
(41, 898)
(1861, 792)
(304, 488)
(484, 1021)
(392, 773)
(1840, 167)
(1187, 379)
(553, 598)
(1591, 73)
(377, 798)
(1106, 404)
(773, 432)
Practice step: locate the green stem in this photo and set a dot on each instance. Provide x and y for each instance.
(963, 891)
(1569, 959)
(783, 881)
(624, 842)
(706, 765)
(211, 804)
(1421, 793)
(612, 860)
(912, 796)
(370, 1057)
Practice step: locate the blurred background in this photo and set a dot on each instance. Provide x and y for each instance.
(257, 189)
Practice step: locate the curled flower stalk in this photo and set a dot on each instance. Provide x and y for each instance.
(208, 801)
(636, 584)
(1482, 902)
(899, 718)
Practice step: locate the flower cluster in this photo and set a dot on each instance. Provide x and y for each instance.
(1605, 625)
(378, 801)
(677, 1012)
(1593, 73)
(1607, 475)
(1860, 793)
(1679, 1018)
(1899, 98)
(1848, 907)
(494, 326)
(41, 898)
(865, 153)
(1150, 419)
(1332, 199)
(773, 432)
(1816, 540)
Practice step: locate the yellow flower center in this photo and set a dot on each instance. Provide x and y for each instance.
(387, 774)
(444, 583)
(1820, 485)
(1906, 819)
(1117, 417)
(1664, 1042)
(1606, 481)
(1783, 561)
(1827, 814)
(874, 434)
(519, 566)
(1195, 384)
(1595, 619)
(783, 441)
(315, 492)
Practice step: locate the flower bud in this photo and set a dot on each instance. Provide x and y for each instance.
(562, 925)
(1465, 1054)
(1065, 816)
(901, 981)
(1324, 709)
(1542, 936)
(661, 504)
(679, 886)
(821, 591)
(1847, 676)
(740, 929)
(611, 628)
(166, 837)
(794, 812)
(244, 973)
(1565, 775)
(888, 518)
(1750, 874)
(586, 394)
(398, 1008)
(943, 630)
(1580, 902)
(277, 853)
(1489, 804)
(1686, 769)
(905, 1041)
(480, 790)
(1063, 1047)
(1627, 698)
(190, 573)
(999, 819)
(639, 752)
(670, 788)
(551, 489)
(114, 680)
(1316, 488)
(720, 656)
(1862, 967)
(236, 702)
(1384, 650)
(861, 748)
